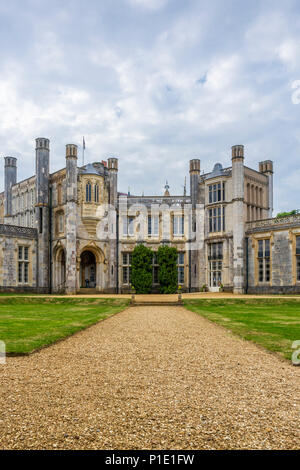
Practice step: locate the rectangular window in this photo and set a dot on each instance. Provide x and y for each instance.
(178, 225)
(128, 226)
(298, 258)
(126, 268)
(216, 192)
(263, 259)
(23, 264)
(215, 258)
(216, 219)
(153, 225)
(180, 264)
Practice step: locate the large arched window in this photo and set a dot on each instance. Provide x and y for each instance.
(96, 193)
(88, 192)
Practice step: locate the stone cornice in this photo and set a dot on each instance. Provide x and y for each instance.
(16, 231)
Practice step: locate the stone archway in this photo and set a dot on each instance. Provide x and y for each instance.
(90, 266)
(88, 269)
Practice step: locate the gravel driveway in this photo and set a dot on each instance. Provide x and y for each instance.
(150, 378)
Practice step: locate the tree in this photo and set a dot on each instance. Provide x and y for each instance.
(286, 214)
(168, 271)
(141, 269)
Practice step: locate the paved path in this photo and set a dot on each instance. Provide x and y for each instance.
(169, 297)
(150, 378)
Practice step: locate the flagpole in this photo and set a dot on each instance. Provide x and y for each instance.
(83, 148)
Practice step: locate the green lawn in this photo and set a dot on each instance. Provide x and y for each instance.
(272, 323)
(30, 323)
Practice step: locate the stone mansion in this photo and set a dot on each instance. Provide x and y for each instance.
(72, 231)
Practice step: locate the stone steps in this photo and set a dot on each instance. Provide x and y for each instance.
(87, 291)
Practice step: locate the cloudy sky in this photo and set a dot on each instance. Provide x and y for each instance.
(154, 82)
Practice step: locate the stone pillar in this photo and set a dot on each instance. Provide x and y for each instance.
(71, 218)
(196, 220)
(42, 211)
(113, 201)
(238, 217)
(266, 168)
(10, 178)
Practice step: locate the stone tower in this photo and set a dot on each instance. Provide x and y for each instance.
(196, 213)
(266, 168)
(42, 211)
(71, 218)
(238, 217)
(113, 222)
(10, 178)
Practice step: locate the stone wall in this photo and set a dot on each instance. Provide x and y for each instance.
(11, 237)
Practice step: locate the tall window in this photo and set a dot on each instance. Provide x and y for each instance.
(126, 267)
(180, 264)
(88, 192)
(153, 225)
(298, 258)
(215, 258)
(263, 257)
(59, 199)
(96, 193)
(23, 264)
(60, 222)
(128, 226)
(178, 225)
(155, 269)
(216, 192)
(216, 218)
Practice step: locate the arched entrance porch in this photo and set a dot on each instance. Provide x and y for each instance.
(88, 270)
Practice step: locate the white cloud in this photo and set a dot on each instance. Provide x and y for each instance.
(154, 93)
(149, 4)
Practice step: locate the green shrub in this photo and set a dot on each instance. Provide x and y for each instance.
(141, 269)
(168, 271)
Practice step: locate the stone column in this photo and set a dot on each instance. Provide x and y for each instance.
(238, 217)
(197, 217)
(111, 274)
(10, 178)
(71, 218)
(42, 211)
(266, 168)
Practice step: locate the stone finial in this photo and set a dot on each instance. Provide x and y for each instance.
(167, 187)
(71, 151)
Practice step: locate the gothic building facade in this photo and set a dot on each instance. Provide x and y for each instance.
(72, 231)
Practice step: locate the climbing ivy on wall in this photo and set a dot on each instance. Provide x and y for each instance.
(141, 269)
(168, 272)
